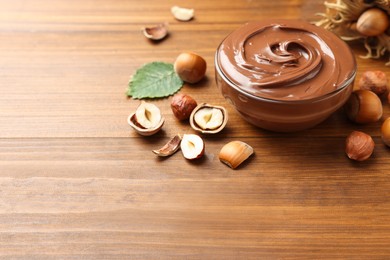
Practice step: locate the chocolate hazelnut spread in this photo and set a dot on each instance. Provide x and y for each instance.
(285, 60)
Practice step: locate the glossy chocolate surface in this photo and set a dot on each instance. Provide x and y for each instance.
(285, 60)
(284, 75)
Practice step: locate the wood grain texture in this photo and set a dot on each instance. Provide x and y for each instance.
(77, 183)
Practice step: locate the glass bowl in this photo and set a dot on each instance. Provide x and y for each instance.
(298, 101)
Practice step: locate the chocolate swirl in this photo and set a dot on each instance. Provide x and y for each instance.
(285, 60)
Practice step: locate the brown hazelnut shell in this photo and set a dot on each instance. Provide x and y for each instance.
(132, 121)
(197, 128)
(364, 106)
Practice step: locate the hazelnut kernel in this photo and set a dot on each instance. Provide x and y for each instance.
(359, 146)
(376, 81)
(208, 119)
(182, 105)
(385, 131)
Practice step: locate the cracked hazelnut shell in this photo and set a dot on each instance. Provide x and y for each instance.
(213, 130)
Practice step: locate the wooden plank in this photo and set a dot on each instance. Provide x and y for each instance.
(76, 182)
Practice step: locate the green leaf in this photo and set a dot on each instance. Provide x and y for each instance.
(154, 80)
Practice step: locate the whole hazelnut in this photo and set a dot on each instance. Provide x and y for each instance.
(190, 67)
(372, 22)
(376, 81)
(182, 106)
(359, 146)
(385, 131)
(364, 106)
(388, 98)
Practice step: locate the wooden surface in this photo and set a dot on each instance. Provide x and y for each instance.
(76, 182)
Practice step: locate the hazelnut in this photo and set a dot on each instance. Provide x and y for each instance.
(190, 67)
(372, 22)
(182, 14)
(208, 119)
(385, 131)
(234, 153)
(376, 81)
(359, 146)
(182, 105)
(192, 146)
(364, 106)
(147, 119)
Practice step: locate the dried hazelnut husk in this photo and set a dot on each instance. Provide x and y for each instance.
(385, 131)
(364, 106)
(208, 119)
(359, 146)
(376, 81)
(372, 22)
(182, 105)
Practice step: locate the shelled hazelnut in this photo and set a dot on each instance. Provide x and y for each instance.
(192, 146)
(182, 105)
(359, 146)
(376, 81)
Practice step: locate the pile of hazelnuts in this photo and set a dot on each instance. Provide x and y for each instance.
(363, 107)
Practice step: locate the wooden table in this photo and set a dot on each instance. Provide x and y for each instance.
(76, 182)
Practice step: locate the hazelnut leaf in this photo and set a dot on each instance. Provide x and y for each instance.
(154, 80)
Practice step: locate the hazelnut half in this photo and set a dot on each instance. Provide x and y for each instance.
(147, 119)
(208, 119)
(359, 146)
(192, 146)
(376, 81)
(182, 105)
(385, 131)
(181, 13)
(364, 106)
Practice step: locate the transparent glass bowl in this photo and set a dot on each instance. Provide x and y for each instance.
(283, 115)
(279, 115)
